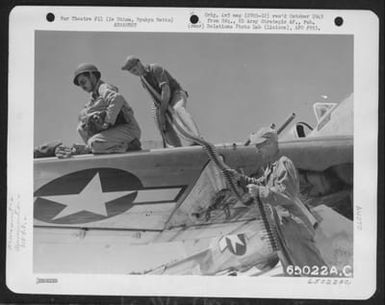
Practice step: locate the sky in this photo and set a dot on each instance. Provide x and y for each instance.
(237, 83)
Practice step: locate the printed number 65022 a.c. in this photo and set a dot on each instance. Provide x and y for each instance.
(324, 271)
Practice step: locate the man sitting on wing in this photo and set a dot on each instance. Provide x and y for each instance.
(106, 123)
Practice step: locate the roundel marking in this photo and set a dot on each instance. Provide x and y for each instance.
(86, 196)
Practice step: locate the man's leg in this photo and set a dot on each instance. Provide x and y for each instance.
(134, 145)
(169, 135)
(117, 139)
(299, 244)
(178, 103)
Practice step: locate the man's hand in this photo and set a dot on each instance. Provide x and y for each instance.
(95, 122)
(46, 150)
(253, 190)
(80, 149)
(258, 190)
(63, 152)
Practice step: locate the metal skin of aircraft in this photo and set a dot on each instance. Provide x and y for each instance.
(170, 211)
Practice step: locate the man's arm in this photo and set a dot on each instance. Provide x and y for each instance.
(165, 98)
(285, 185)
(115, 103)
(285, 192)
(271, 195)
(243, 179)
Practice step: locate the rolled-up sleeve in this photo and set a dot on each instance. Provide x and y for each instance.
(115, 102)
(285, 185)
(284, 192)
(160, 75)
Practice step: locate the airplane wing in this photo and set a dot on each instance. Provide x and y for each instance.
(117, 207)
(160, 189)
(92, 192)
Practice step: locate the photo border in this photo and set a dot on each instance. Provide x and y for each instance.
(379, 229)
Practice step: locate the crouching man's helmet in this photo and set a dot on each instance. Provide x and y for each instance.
(85, 68)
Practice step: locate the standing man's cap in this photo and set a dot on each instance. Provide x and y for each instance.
(264, 134)
(130, 62)
(83, 68)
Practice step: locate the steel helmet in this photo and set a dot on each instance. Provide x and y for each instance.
(263, 135)
(83, 68)
(130, 62)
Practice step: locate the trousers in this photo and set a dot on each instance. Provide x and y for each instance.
(297, 245)
(171, 135)
(117, 139)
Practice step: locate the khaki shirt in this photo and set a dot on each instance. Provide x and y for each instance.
(157, 77)
(280, 188)
(107, 98)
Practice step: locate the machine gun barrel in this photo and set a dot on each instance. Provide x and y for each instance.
(286, 123)
(280, 129)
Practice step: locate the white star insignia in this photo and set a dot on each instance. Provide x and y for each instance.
(91, 199)
(233, 239)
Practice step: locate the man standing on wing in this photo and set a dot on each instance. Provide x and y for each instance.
(278, 187)
(165, 91)
(106, 123)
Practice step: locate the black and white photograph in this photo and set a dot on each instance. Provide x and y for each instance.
(222, 150)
